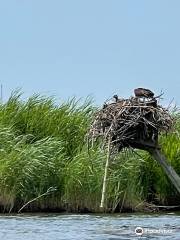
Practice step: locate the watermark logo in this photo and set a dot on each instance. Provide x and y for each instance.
(139, 231)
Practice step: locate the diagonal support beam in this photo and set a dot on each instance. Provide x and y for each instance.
(169, 170)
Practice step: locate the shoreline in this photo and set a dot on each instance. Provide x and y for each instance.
(145, 209)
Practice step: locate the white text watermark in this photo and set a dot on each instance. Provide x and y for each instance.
(139, 231)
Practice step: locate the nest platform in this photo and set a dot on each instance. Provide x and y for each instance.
(134, 122)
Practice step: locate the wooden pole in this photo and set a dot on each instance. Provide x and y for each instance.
(169, 170)
(105, 174)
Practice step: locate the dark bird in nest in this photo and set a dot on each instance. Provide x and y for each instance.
(105, 105)
(116, 97)
(143, 92)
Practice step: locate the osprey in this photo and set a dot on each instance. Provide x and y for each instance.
(105, 105)
(143, 92)
(116, 98)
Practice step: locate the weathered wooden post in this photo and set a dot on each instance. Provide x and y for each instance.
(155, 151)
(168, 169)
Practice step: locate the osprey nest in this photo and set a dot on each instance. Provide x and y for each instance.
(134, 122)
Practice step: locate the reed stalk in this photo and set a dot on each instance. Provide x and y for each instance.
(105, 174)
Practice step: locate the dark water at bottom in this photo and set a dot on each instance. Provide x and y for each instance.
(86, 227)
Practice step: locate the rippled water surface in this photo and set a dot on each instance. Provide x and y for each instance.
(79, 227)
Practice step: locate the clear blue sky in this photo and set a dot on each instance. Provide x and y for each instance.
(98, 47)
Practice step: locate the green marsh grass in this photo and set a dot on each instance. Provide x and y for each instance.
(43, 145)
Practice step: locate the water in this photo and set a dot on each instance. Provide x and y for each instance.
(87, 227)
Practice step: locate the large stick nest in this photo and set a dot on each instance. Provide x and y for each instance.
(134, 122)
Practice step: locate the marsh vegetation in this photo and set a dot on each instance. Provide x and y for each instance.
(43, 146)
